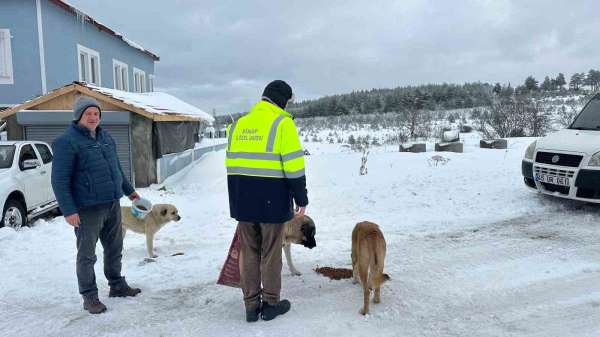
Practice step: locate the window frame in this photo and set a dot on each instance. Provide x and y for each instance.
(88, 54)
(151, 82)
(6, 51)
(139, 73)
(121, 66)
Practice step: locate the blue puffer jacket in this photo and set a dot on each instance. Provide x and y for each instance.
(86, 171)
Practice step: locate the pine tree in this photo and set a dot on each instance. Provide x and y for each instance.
(576, 81)
(593, 79)
(497, 89)
(547, 84)
(531, 83)
(560, 80)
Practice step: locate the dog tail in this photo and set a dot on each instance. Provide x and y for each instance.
(379, 276)
(379, 279)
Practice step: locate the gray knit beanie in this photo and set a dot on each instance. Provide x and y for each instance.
(82, 103)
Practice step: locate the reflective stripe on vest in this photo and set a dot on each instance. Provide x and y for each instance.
(255, 172)
(265, 172)
(253, 155)
(292, 175)
(273, 133)
(292, 155)
(265, 156)
(231, 129)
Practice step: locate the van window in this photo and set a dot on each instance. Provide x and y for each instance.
(589, 117)
(44, 151)
(26, 153)
(7, 152)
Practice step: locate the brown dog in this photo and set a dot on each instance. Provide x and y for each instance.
(368, 256)
(160, 215)
(300, 230)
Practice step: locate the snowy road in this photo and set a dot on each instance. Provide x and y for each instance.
(470, 251)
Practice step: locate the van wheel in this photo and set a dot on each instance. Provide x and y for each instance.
(13, 215)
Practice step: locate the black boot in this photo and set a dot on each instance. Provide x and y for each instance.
(125, 291)
(271, 311)
(252, 314)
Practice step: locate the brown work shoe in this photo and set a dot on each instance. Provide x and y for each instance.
(92, 304)
(125, 291)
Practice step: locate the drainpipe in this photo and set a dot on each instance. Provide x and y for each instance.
(38, 5)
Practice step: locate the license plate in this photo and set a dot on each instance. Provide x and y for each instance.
(551, 179)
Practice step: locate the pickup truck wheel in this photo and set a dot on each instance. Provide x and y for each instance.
(13, 215)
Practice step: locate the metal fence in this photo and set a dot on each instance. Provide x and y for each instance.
(172, 163)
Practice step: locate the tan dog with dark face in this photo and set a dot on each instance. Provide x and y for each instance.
(160, 215)
(300, 230)
(368, 255)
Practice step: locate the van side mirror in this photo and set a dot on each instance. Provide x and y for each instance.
(29, 164)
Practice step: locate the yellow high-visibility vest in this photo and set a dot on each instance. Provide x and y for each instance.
(264, 143)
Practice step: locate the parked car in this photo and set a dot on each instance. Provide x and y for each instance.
(567, 163)
(25, 189)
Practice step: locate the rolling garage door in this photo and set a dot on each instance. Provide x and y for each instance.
(120, 133)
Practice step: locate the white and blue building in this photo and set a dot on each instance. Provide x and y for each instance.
(50, 53)
(46, 44)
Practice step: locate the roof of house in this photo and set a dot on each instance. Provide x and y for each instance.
(155, 102)
(157, 106)
(64, 5)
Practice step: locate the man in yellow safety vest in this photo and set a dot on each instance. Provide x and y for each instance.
(265, 176)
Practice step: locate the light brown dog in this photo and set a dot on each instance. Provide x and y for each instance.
(368, 256)
(300, 230)
(160, 215)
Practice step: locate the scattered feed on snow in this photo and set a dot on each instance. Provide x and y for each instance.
(335, 273)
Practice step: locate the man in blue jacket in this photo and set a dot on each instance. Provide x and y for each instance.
(88, 182)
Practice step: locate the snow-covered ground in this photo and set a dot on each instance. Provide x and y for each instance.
(471, 252)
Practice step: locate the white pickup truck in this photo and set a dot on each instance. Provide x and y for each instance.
(25, 188)
(567, 163)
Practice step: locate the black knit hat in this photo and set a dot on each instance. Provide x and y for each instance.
(278, 92)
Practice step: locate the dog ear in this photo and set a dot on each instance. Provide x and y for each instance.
(308, 227)
(163, 212)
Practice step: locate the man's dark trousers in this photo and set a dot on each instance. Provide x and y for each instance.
(99, 222)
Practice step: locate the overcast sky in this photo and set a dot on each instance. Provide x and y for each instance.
(219, 54)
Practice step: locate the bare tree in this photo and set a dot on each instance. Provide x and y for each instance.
(515, 118)
(363, 161)
(566, 113)
(537, 116)
(501, 120)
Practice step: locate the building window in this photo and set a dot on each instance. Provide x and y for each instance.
(139, 80)
(120, 75)
(6, 66)
(89, 65)
(150, 83)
